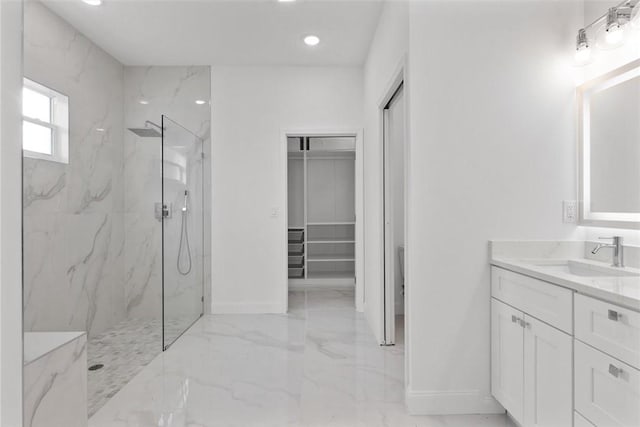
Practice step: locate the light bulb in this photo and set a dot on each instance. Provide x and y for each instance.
(583, 55)
(311, 40)
(583, 50)
(614, 35)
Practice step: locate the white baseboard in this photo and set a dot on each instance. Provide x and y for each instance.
(247, 308)
(447, 402)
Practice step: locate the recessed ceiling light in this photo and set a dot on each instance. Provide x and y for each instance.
(200, 102)
(143, 102)
(93, 2)
(311, 40)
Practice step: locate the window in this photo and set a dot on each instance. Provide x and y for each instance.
(45, 123)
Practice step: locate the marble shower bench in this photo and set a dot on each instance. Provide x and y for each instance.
(55, 379)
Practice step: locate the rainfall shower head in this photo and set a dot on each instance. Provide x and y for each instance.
(147, 131)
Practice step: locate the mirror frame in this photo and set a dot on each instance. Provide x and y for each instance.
(583, 96)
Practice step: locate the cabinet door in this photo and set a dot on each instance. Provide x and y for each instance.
(548, 385)
(507, 357)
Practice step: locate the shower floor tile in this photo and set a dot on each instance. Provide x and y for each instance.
(123, 351)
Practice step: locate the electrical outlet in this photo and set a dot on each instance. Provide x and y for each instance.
(569, 211)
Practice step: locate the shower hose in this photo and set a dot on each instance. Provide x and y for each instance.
(184, 239)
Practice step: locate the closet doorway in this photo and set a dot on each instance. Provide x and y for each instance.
(324, 188)
(394, 124)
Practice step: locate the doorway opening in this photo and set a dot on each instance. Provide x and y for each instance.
(323, 203)
(394, 215)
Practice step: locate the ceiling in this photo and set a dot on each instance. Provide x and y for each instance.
(226, 32)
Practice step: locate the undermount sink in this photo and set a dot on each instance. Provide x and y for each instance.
(582, 269)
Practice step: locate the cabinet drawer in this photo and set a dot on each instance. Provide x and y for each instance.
(606, 391)
(608, 327)
(550, 303)
(580, 421)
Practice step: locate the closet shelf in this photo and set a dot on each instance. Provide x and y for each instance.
(330, 274)
(330, 258)
(331, 223)
(328, 240)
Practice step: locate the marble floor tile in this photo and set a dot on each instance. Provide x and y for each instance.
(317, 366)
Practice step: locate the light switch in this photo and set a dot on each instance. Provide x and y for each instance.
(569, 211)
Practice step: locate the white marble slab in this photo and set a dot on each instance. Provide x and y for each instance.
(55, 380)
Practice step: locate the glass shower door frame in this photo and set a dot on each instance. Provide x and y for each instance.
(165, 120)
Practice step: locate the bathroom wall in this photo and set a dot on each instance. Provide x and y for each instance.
(10, 213)
(492, 142)
(171, 91)
(250, 108)
(73, 213)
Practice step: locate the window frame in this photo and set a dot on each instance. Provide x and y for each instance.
(59, 123)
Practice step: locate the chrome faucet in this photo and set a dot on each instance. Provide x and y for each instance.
(618, 254)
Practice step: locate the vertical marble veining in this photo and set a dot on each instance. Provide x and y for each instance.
(73, 213)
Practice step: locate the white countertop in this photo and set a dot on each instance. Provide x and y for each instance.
(624, 291)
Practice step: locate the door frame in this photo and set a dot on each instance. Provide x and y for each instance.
(359, 206)
(387, 308)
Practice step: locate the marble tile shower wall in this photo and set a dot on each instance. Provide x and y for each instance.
(74, 213)
(92, 248)
(171, 91)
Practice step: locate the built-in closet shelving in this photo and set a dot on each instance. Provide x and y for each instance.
(321, 200)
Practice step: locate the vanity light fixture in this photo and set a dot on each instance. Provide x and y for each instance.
(200, 101)
(583, 49)
(93, 2)
(611, 26)
(143, 102)
(614, 30)
(100, 129)
(311, 40)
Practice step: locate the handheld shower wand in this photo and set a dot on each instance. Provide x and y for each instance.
(184, 238)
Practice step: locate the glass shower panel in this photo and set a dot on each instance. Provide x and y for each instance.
(182, 229)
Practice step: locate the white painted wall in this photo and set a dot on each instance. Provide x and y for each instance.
(492, 145)
(251, 106)
(386, 55)
(10, 213)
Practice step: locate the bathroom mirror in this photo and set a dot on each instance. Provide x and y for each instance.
(609, 149)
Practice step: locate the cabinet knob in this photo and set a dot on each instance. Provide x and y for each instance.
(614, 370)
(614, 315)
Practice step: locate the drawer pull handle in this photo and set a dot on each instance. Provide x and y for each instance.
(614, 370)
(614, 315)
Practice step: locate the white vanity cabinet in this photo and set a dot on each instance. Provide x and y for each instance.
(561, 358)
(531, 361)
(607, 362)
